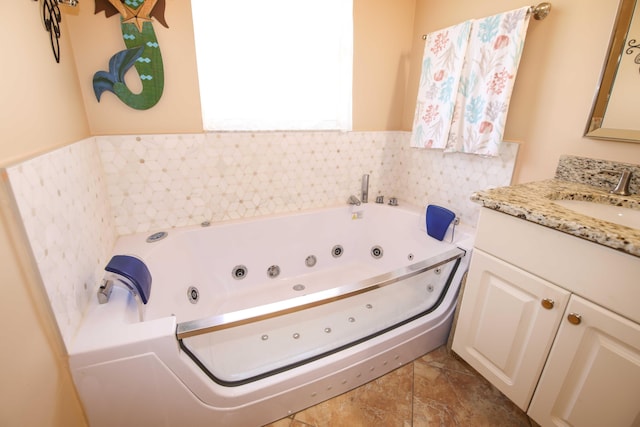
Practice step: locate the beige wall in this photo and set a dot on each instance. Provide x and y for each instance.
(95, 39)
(383, 31)
(382, 45)
(556, 83)
(41, 109)
(41, 105)
(552, 99)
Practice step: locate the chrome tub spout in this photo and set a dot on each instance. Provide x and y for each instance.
(365, 188)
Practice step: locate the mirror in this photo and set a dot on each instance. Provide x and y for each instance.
(613, 116)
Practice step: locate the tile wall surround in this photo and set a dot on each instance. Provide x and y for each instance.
(61, 197)
(164, 181)
(76, 200)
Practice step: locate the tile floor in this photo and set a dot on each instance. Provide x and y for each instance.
(438, 389)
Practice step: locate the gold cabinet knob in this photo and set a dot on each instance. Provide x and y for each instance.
(574, 318)
(547, 303)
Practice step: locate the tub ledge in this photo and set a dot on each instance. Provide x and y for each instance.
(116, 324)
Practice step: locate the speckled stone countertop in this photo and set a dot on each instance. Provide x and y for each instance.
(534, 202)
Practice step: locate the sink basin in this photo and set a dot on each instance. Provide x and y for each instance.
(616, 214)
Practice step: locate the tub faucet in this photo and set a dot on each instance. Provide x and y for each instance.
(112, 279)
(365, 188)
(353, 200)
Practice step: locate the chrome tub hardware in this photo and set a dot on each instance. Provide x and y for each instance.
(310, 261)
(106, 288)
(155, 237)
(104, 291)
(353, 200)
(377, 252)
(273, 271)
(239, 272)
(337, 251)
(193, 294)
(393, 201)
(365, 188)
(380, 199)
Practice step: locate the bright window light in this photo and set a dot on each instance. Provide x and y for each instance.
(274, 65)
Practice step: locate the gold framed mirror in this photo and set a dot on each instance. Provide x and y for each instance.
(612, 116)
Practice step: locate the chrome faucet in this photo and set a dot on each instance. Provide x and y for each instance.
(365, 188)
(622, 187)
(106, 287)
(353, 200)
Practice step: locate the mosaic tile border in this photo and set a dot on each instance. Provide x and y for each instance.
(165, 181)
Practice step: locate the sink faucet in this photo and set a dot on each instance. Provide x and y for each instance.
(622, 187)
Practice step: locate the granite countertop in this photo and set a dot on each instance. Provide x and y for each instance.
(534, 202)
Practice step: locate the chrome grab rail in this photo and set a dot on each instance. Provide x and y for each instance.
(240, 317)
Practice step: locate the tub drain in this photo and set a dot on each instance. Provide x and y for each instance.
(337, 251)
(157, 236)
(239, 272)
(377, 252)
(193, 294)
(298, 287)
(310, 261)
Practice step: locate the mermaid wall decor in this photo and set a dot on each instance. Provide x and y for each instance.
(142, 52)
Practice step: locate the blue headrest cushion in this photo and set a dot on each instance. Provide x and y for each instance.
(438, 220)
(135, 270)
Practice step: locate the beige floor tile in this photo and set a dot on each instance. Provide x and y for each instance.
(382, 402)
(438, 389)
(448, 392)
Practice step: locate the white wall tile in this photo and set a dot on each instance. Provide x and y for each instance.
(62, 200)
(165, 181)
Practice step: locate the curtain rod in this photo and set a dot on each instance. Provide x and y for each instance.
(539, 13)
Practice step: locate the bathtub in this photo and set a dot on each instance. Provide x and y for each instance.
(250, 321)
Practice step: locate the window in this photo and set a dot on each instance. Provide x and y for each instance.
(274, 65)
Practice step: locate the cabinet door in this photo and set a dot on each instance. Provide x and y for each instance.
(592, 377)
(506, 324)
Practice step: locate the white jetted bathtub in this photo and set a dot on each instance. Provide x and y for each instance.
(249, 321)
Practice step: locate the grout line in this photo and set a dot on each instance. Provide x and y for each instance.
(413, 389)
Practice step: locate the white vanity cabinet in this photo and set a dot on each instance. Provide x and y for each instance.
(506, 325)
(552, 321)
(592, 376)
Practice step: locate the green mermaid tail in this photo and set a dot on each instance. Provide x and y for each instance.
(143, 52)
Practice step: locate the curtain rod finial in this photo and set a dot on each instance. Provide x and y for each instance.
(540, 11)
